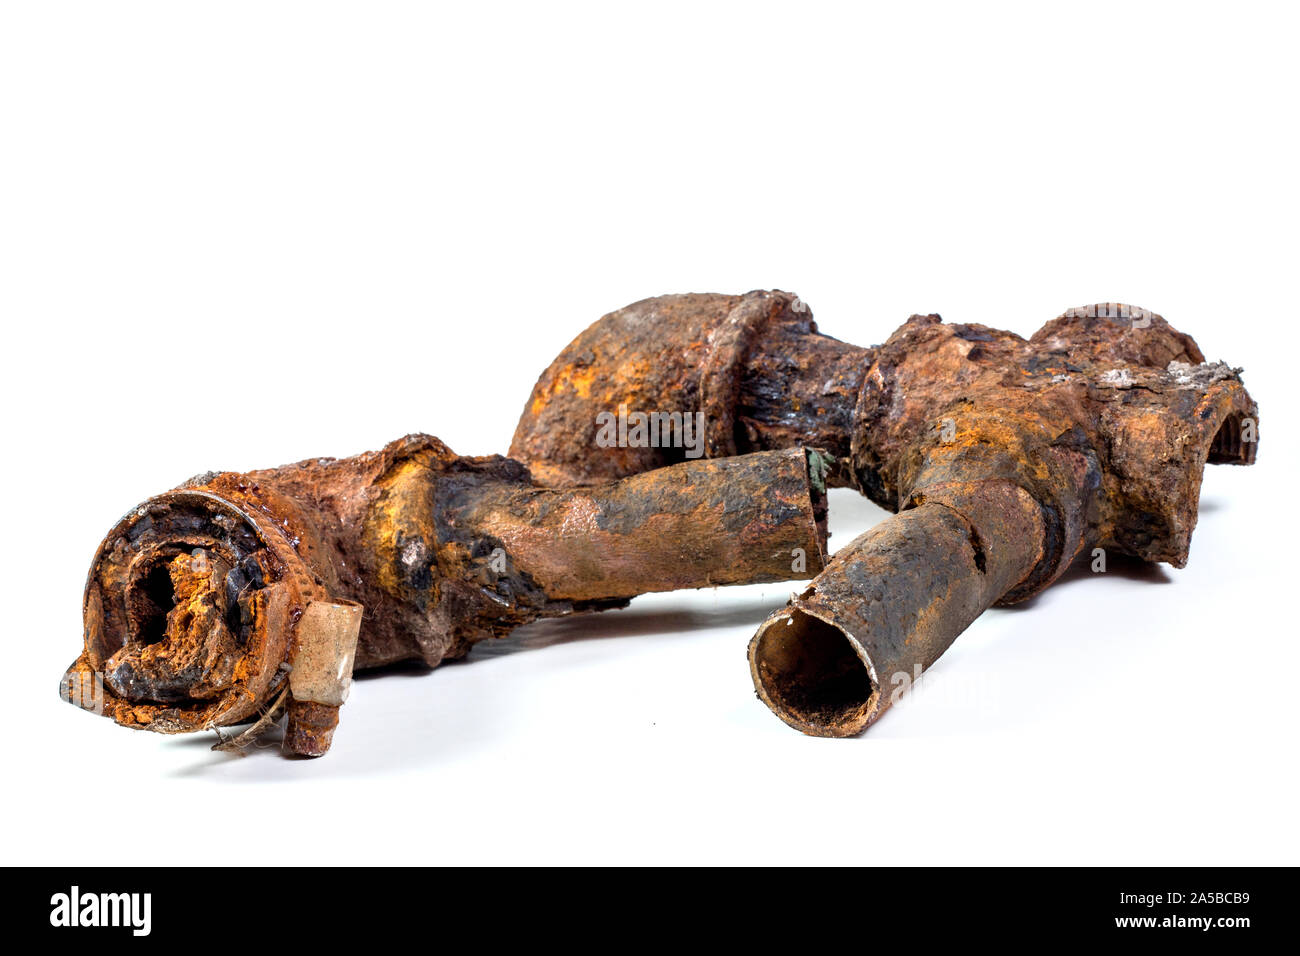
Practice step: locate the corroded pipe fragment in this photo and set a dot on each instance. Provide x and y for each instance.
(209, 604)
(1006, 457)
(890, 603)
(753, 365)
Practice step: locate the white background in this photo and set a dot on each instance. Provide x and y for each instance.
(234, 235)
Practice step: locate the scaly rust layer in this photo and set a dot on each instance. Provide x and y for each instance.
(206, 604)
(754, 365)
(1094, 432)
(890, 602)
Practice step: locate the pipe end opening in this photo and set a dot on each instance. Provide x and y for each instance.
(810, 673)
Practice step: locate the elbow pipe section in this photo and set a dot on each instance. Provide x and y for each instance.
(235, 594)
(748, 372)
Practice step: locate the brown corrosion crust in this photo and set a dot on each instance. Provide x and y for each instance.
(479, 555)
(309, 730)
(753, 365)
(1106, 415)
(1112, 451)
(1006, 458)
(188, 608)
(194, 600)
(890, 603)
(653, 532)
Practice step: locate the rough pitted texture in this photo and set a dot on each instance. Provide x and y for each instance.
(194, 600)
(1006, 457)
(692, 353)
(1106, 414)
(1112, 448)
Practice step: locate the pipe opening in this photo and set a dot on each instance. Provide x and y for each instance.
(179, 649)
(178, 638)
(1234, 443)
(152, 599)
(810, 673)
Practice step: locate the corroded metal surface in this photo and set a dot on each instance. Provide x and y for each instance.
(890, 603)
(1004, 454)
(1006, 459)
(754, 365)
(205, 604)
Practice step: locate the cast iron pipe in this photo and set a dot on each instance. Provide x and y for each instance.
(1006, 457)
(208, 605)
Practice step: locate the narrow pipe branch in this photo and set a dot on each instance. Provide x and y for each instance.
(889, 603)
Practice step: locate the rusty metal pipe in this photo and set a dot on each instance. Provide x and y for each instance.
(889, 603)
(211, 604)
(754, 366)
(1094, 433)
(1002, 481)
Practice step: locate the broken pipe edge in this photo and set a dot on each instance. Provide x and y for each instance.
(113, 675)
